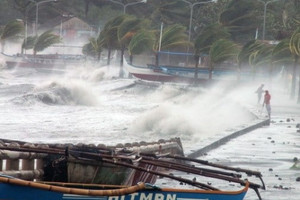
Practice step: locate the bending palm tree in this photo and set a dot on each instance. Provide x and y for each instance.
(220, 51)
(45, 40)
(109, 35)
(172, 36)
(295, 50)
(260, 57)
(244, 55)
(281, 55)
(204, 41)
(140, 42)
(28, 43)
(127, 29)
(93, 48)
(11, 30)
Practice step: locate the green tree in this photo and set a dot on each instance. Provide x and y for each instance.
(168, 12)
(109, 35)
(221, 50)
(93, 48)
(11, 30)
(142, 41)
(205, 39)
(282, 56)
(294, 46)
(261, 58)
(44, 41)
(127, 29)
(28, 43)
(244, 55)
(241, 18)
(172, 36)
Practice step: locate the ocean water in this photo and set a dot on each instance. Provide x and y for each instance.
(92, 105)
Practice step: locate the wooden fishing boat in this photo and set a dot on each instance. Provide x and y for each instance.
(16, 189)
(88, 166)
(78, 164)
(43, 60)
(177, 74)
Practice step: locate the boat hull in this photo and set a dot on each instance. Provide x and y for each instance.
(42, 61)
(16, 189)
(159, 75)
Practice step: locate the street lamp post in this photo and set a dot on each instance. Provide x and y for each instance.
(266, 3)
(37, 11)
(191, 13)
(128, 4)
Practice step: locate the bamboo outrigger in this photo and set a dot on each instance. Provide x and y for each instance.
(86, 165)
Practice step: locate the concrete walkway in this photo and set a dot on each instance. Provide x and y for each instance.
(270, 150)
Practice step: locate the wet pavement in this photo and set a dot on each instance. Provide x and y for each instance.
(270, 150)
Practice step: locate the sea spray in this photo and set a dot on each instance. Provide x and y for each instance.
(191, 115)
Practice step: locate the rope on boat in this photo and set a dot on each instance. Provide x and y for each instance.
(113, 192)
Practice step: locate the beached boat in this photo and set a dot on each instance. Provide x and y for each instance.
(167, 73)
(88, 166)
(82, 163)
(43, 60)
(16, 189)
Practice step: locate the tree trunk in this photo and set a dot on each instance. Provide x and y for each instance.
(156, 59)
(293, 87)
(211, 68)
(197, 57)
(99, 56)
(238, 73)
(130, 59)
(108, 56)
(298, 101)
(86, 7)
(121, 74)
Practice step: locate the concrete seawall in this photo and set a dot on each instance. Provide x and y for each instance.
(219, 141)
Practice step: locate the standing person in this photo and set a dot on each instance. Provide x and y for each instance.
(259, 92)
(267, 99)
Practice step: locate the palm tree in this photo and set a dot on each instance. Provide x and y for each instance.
(127, 29)
(11, 30)
(205, 39)
(109, 35)
(168, 12)
(220, 51)
(281, 55)
(173, 36)
(244, 55)
(28, 43)
(260, 57)
(93, 48)
(140, 42)
(294, 46)
(45, 40)
(240, 17)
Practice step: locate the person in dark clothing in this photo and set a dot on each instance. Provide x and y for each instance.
(259, 92)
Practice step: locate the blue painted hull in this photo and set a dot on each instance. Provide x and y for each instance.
(10, 191)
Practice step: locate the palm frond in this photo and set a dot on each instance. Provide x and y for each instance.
(29, 42)
(12, 29)
(222, 50)
(45, 40)
(140, 42)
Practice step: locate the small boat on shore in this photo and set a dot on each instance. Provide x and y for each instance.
(43, 60)
(65, 171)
(177, 74)
(16, 189)
(82, 163)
